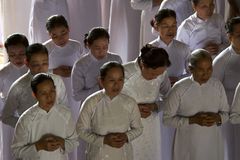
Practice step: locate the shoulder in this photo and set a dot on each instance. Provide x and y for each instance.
(182, 84)
(114, 56)
(91, 101)
(29, 115)
(5, 68)
(84, 60)
(75, 43)
(63, 111)
(222, 57)
(130, 68)
(154, 43)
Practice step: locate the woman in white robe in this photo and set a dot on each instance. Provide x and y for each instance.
(15, 45)
(183, 8)
(146, 80)
(124, 28)
(196, 106)
(204, 29)
(225, 68)
(109, 120)
(149, 9)
(41, 10)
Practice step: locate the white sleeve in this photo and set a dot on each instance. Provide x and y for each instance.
(83, 126)
(235, 109)
(21, 146)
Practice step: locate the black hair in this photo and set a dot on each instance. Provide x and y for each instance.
(162, 14)
(94, 34)
(56, 21)
(154, 57)
(34, 49)
(16, 39)
(231, 23)
(197, 56)
(109, 65)
(195, 2)
(38, 79)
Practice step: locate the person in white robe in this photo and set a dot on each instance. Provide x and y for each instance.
(204, 29)
(149, 9)
(46, 130)
(183, 8)
(225, 68)
(109, 121)
(166, 25)
(85, 71)
(40, 11)
(124, 28)
(197, 119)
(20, 96)
(15, 46)
(63, 53)
(146, 80)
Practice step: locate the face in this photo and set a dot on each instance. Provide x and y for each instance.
(38, 63)
(113, 82)
(167, 29)
(99, 48)
(149, 73)
(46, 95)
(204, 9)
(16, 54)
(202, 72)
(235, 37)
(60, 35)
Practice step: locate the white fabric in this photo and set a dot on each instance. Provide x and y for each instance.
(100, 116)
(35, 123)
(20, 97)
(41, 10)
(148, 13)
(183, 8)
(8, 74)
(124, 28)
(85, 74)
(84, 15)
(178, 53)
(225, 68)
(67, 56)
(197, 33)
(148, 145)
(195, 142)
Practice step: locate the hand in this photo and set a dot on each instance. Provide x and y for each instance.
(147, 109)
(116, 140)
(64, 71)
(48, 142)
(212, 48)
(202, 119)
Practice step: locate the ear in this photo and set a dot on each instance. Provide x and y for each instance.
(26, 62)
(229, 37)
(100, 82)
(34, 95)
(191, 69)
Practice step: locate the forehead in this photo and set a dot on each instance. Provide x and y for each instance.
(16, 47)
(202, 2)
(45, 84)
(168, 20)
(39, 56)
(58, 29)
(204, 63)
(113, 71)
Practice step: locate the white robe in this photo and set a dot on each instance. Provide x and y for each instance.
(41, 11)
(35, 123)
(225, 68)
(8, 74)
(20, 97)
(178, 53)
(148, 13)
(183, 8)
(100, 116)
(84, 15)
(66, 55)
(197, 33)
(124, 28)
(148, 145)
(195, 142)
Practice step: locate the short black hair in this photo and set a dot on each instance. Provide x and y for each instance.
(154, 57)
(56, 21)
(109, 65)
(34, 49)
(16, 39)
(231, 23)
(197, 56)
(96, 33)
(39, 78)
(164, 13)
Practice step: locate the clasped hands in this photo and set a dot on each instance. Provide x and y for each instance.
(205, 119)
(116, 140)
